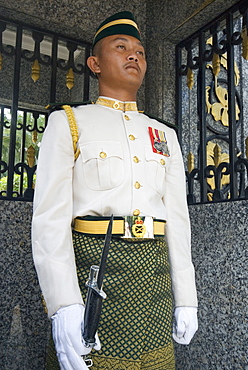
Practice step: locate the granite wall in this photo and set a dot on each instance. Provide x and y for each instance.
(24, 327)
(219, 249)
(220, 255)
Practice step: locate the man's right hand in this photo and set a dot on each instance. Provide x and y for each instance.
(67, 326)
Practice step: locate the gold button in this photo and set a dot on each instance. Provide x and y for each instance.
(162, 161)
(103, 155)
(131, 137)
(116, 105)
(136, 212)
(136, 159)
(126, 118)
(137, 185)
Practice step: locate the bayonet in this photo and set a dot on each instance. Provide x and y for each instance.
(95, 294)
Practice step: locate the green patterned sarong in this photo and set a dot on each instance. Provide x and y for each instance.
(135, 325)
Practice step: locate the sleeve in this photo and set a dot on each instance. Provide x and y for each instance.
(52, 216)
(178, 233)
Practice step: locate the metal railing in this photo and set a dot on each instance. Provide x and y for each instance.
(21, 150)
(36, 67)
(212, 114)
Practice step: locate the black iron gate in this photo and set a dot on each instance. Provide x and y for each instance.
(212, 113)
(36, 67)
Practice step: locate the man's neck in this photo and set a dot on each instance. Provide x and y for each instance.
(118, 95)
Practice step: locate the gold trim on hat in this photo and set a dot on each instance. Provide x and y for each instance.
(118, 21)
(117, 105)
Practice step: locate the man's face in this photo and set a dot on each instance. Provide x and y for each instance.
(121, 61)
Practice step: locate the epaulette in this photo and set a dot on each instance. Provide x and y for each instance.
(58, 106)
(162, 121)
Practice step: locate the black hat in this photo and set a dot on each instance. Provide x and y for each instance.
(122, 23)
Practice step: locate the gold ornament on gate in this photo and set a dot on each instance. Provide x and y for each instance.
(31, 156)
(219, 108)
(34, 136)
(244, 43)
(215, 156)
(35, 71)
(190, 78)
(70, 79)
(216, 64)
(190, 162)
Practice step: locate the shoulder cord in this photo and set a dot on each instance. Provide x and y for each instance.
(73, 127)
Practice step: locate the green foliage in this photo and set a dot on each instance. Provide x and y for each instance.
(3, 183)
(16, 182)
(19, 135)
(24, 139)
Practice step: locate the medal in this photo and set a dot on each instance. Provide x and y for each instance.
(159, 142)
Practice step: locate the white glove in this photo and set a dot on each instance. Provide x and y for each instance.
(185, 324)
(67, 326)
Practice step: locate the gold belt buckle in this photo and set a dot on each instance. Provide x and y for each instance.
(138, 227)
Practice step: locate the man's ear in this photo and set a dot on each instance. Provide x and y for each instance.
(92, 63)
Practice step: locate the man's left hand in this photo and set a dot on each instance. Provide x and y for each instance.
(185, 324)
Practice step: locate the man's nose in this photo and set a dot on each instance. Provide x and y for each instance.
(133, 57)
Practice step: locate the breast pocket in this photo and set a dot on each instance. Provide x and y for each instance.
(102, 164)
(155, 170)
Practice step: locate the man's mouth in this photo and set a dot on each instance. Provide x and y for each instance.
(133, 66)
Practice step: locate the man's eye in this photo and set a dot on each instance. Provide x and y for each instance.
(121, 46)
(140, 53)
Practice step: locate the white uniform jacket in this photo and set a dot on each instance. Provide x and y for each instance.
(101, 185)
